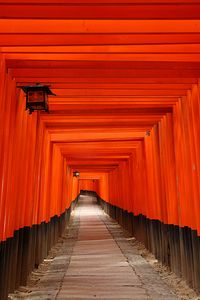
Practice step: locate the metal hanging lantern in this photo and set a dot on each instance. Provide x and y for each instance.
(76, 174)
(37, 97)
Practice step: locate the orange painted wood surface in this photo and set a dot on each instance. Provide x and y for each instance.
(126, 112)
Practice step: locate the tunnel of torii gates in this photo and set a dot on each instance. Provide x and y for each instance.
(126, 115)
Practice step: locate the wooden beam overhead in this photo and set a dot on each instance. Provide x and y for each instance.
(72, 2)
(100, 11)
(118, 68)
(10, 26)
(64, 39)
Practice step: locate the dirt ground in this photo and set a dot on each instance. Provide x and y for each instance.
(179, 286)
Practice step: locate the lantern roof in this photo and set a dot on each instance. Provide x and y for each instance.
(38, 87)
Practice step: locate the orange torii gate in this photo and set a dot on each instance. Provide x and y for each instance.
(126, 116)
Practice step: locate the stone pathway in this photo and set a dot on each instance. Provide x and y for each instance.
(100, 264)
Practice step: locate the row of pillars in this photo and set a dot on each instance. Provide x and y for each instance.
(174, 246)
(28, 247)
